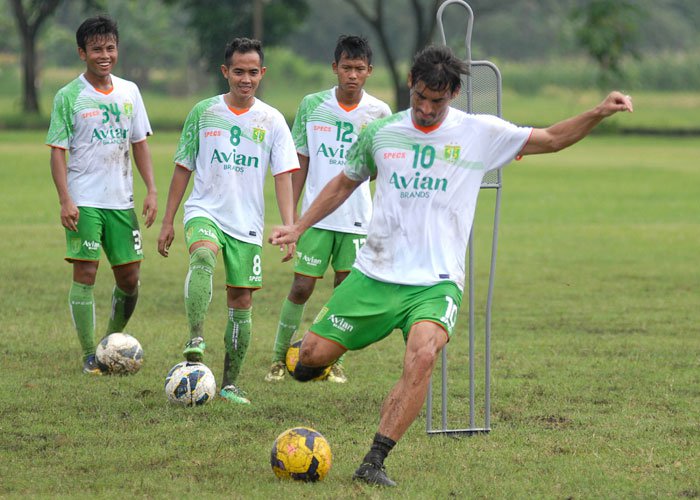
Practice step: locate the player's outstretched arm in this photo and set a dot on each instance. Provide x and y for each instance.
(338, 189)
(59, 171)
(178, 185)
(144, 164)
(567, 132)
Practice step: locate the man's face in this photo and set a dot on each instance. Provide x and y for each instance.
(429, 107)
(352, 73)
(100, 56)
(244, 75)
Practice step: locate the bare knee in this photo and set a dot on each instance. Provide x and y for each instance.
(127, 277)
(421, 361)
(85, 272)
(302, 288)
(239, 298)
(317, 351)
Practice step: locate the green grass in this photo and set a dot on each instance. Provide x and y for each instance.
(288, 79)
(596, 372)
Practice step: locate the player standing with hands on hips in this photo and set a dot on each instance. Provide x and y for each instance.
(429, 162)
(325, 126)
(96, 118)
(228, 142)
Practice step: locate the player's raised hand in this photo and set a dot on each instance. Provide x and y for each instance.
(614, 103)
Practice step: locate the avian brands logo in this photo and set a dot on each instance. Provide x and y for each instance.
(340, 323)
(233, 160)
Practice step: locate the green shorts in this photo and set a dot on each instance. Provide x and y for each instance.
(116, 231)
(319, 247)
(362, 310)
(242, 261)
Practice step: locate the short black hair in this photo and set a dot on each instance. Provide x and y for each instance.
(243, 45)
(354, 47)
(96, 27)
(438, 68)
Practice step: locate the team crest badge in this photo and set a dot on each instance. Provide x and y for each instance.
(75, 244)
(452, 153)
(258, 135)
(321, 314)
(128, 109)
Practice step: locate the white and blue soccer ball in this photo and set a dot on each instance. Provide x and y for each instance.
(190, 384)
(119, 354)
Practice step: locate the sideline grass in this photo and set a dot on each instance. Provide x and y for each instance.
(596, 374)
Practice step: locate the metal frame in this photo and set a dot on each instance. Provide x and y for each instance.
(493, 181)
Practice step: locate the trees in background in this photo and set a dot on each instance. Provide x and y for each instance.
(608, 30)
(30, 16)
(216, 22)
(379, 15)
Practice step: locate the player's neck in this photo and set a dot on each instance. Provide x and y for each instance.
(348, 99)
(101, 83)
(239, 104)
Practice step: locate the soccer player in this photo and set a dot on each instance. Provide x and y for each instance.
(228, 142)
(326, 125)
(96, 118)
(429, 162)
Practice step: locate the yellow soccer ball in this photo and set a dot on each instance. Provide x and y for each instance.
(301, 454)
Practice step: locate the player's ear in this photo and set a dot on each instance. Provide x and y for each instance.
(410, 81)
(224, 71)
(334, 66)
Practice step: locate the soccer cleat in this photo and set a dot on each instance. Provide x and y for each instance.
(372, 474)
(277, 371)
(91, 367)
(194, 350)
(337, 374)
(234, 394)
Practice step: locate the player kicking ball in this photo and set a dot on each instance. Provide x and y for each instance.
(410, 273)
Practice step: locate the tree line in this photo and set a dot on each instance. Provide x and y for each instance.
(194, 32)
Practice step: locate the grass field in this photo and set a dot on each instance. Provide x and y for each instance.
(596, 364)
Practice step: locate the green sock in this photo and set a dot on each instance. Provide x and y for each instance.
(236, 340)
(123, 306)
(340, 360)
(82, 309)
(290, 318)
(198, 288)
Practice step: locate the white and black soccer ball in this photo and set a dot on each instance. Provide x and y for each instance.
(190, 384)
(119, 354)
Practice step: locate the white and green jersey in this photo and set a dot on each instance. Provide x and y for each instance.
(324, 130)
(97, 128)
(229, 154)
(425, 191)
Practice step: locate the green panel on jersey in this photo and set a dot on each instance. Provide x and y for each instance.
(360, 153)
(308, 105)
(61, 125)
